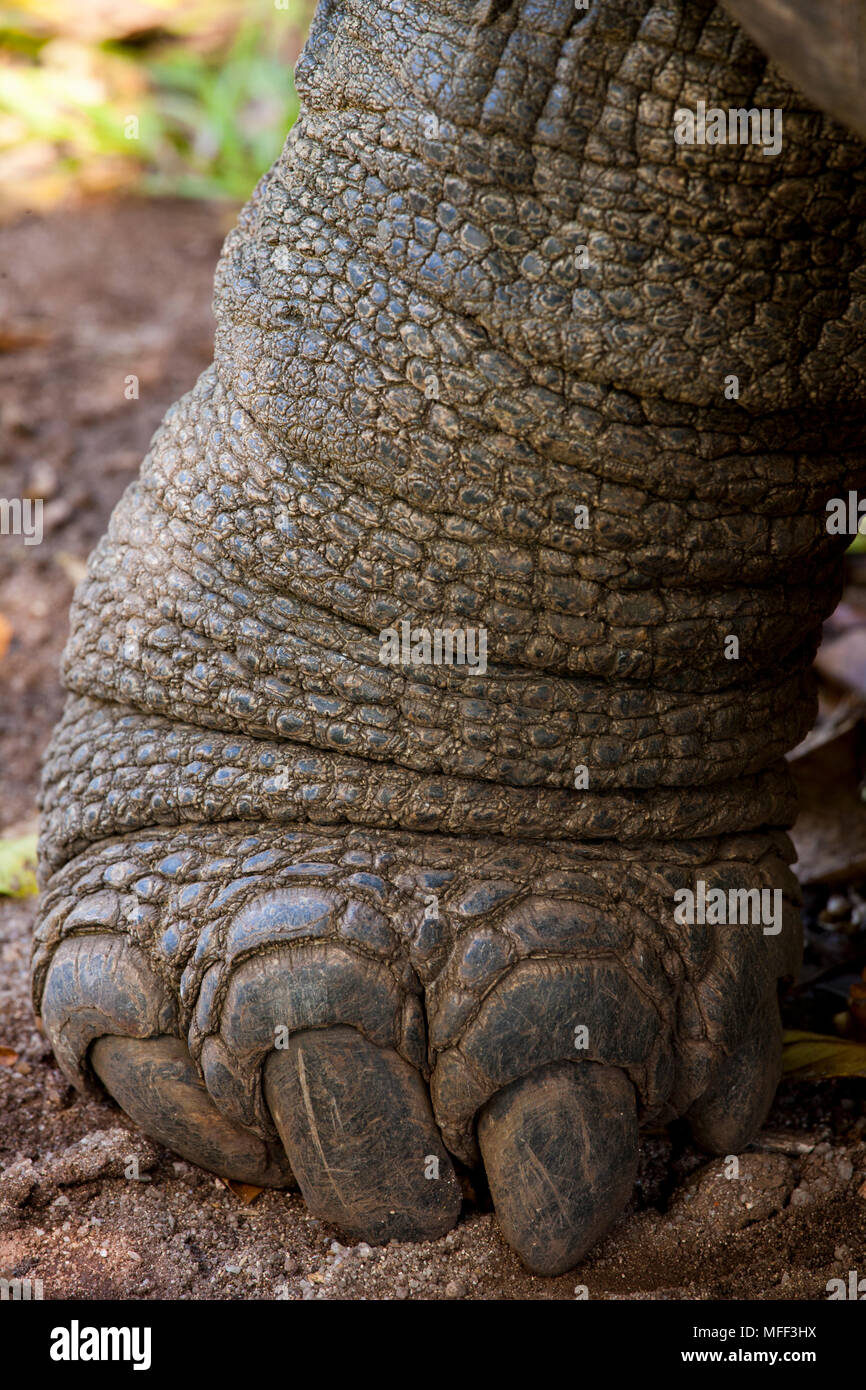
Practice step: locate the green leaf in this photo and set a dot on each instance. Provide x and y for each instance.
(18, 867)
(807, 1055)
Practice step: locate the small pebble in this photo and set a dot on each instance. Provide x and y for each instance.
(837, 906)
(454, 1289)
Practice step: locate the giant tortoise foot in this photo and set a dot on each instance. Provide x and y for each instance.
(353, 1008)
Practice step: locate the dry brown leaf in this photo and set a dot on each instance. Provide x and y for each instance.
(830, 831)
(245, 1192)
(849, 613)
(835, 718)
(5, 635)
(13, 339)
(8, 1056)
(842, 658)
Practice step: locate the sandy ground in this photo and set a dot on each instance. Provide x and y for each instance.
(87, 298)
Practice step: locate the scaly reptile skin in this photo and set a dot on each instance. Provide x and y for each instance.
(252, 824)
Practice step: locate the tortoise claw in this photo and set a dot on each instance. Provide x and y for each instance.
(560, 1150)
(155, 1082)
(357, 1125)
(731, 1111)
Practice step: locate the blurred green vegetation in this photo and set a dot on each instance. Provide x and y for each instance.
(190, 98)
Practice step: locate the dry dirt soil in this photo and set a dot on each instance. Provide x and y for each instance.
(87, 298)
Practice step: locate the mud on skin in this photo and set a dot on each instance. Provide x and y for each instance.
(314, 919)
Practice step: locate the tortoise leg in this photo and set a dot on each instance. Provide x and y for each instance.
(560, 1149)
(155, 1082)
(358, 1127)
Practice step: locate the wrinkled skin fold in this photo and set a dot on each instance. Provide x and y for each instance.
(297, 899)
